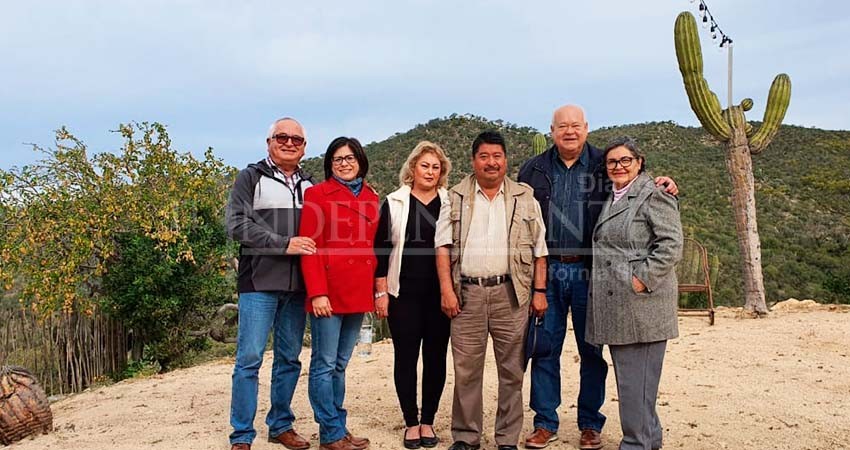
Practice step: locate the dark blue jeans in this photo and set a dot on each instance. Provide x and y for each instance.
(567, 290)
(260, 313)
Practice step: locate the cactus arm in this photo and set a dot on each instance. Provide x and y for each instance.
(746, 105)
(538, 143)
(703, 101)
(777, 104)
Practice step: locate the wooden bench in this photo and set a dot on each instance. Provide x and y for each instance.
(693, 274)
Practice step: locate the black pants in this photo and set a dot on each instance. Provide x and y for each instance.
(415, 321)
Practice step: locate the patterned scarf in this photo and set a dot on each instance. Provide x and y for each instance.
(355, 185)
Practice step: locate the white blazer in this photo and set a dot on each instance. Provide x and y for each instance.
(398, 202)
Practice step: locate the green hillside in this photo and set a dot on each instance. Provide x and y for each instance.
(802, 187)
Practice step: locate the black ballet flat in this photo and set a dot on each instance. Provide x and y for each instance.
(429, 441)
(412, 444)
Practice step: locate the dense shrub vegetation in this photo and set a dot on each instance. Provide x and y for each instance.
(802, 188)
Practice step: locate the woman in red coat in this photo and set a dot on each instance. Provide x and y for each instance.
(341, 215)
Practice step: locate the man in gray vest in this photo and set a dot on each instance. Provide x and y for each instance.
(491, 261)
(263, 216)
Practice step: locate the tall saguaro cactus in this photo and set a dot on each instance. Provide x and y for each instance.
(742, 140)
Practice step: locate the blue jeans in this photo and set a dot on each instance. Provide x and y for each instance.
(567, 289)
(334, 338)
(260, 313)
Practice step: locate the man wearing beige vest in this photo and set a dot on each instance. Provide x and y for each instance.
(491, 261)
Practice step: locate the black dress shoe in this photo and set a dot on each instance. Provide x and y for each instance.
(507, 447)
(460, 445)
(412, 444)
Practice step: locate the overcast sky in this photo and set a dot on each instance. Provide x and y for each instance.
(218, 72)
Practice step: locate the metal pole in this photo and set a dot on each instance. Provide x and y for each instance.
(729, 47)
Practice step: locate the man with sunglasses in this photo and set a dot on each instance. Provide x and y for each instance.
(263, 215)
(571, 185)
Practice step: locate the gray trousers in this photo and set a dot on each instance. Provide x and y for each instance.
(638, 371)
(487, 311)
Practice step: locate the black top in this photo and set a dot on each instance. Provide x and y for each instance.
(417, 261)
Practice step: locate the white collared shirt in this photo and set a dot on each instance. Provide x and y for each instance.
(486, 251)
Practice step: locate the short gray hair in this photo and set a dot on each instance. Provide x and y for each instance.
(631, 145)
(274, 124)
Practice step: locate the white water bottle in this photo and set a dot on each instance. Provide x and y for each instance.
(364, 344)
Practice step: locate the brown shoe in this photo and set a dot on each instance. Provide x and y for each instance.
(359, 443)
(590, 440)
(341, 444)
(240, 446)
(291, 440)
(540, 438)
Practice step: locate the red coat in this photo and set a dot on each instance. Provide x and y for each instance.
(343, 227)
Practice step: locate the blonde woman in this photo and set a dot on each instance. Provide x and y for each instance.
(407, 290)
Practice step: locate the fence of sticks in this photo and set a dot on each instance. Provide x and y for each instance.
(66, 352)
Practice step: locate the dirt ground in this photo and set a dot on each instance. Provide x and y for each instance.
(782, 382)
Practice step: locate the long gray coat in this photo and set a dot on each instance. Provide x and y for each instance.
(640, 235)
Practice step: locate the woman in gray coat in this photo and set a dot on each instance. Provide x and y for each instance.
(637, 242)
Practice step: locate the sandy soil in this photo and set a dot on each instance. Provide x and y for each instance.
(777, 383)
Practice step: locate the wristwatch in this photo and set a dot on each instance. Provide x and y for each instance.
(380, 294)
(540, 290)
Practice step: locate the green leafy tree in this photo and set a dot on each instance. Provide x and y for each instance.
(160, 296)
(72, 223)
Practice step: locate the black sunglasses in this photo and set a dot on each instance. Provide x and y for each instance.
(282, 138)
